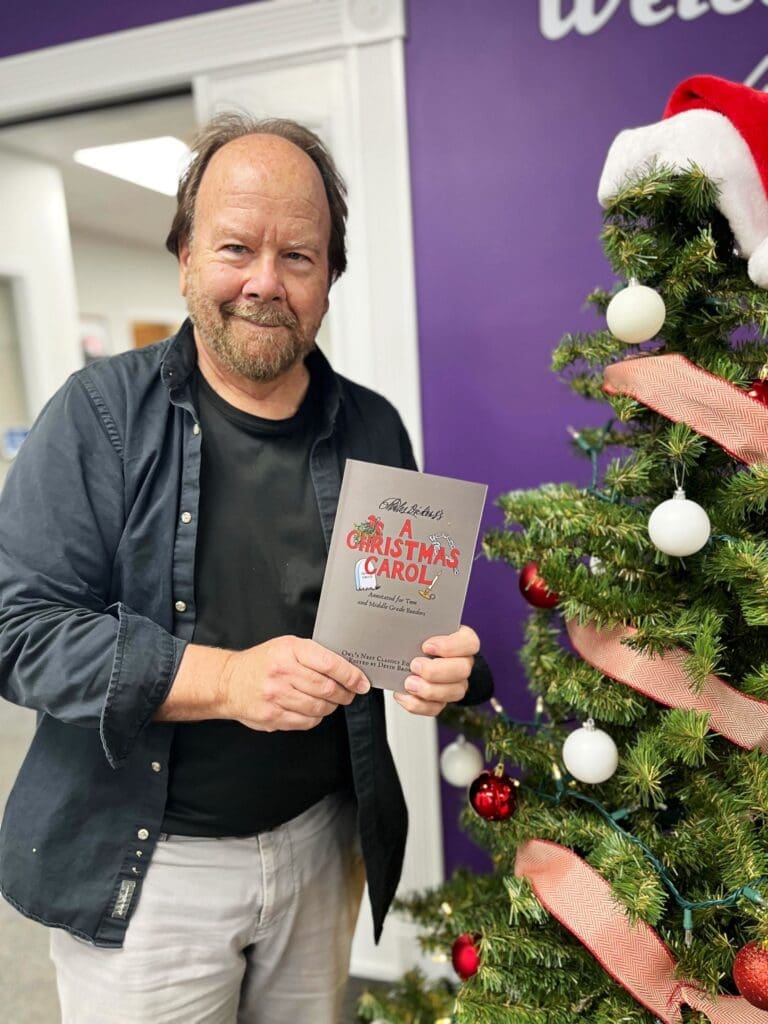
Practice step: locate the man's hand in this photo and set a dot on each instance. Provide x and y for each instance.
(443, 678)
(284, 684)
(288, 683)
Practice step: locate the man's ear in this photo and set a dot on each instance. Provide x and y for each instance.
(183, 266)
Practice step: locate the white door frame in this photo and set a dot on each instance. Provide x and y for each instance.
(257, 55)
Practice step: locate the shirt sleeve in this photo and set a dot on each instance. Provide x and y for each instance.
(66, 647)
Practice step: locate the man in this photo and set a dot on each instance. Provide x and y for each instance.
(202, 772)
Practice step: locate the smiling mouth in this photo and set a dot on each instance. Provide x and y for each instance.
(256, 323)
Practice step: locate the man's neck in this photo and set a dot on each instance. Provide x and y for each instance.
(272, 400)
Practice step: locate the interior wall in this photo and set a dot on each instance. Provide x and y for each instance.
(50, 23)
(506, 155)
(36, 255)
(14, 413)
(123, 284)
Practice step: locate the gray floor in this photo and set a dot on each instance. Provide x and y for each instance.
(27, 987)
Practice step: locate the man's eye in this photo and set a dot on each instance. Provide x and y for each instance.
(296, 257)
(238, 250)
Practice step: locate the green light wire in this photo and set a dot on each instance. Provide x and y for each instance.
(747, 891)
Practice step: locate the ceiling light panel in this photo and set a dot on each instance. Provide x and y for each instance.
(156, 164)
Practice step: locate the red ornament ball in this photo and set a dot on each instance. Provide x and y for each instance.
(750, 972)
(759, 391)
(534, 589)
(493, 796)
(464, 955)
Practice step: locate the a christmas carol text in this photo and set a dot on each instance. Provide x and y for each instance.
(402, 557)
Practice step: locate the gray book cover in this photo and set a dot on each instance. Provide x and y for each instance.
(398, 567)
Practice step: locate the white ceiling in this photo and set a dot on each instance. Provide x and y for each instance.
(97, 202)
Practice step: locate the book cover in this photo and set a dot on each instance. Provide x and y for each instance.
(398, 566)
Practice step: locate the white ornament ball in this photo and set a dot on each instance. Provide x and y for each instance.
(596, 566)
(590, 755)
(635, 314)
(679, 526)
(461, 763)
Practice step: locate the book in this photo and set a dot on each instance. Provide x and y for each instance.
(398, 566)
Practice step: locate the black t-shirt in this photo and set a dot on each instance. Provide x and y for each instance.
(259, 568)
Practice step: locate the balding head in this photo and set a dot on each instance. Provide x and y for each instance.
(229, 129)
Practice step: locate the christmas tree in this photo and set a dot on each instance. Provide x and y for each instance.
(626, 819)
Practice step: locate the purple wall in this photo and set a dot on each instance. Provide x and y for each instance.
(508, 131)
(45, 23)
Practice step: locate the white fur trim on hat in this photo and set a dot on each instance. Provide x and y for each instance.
(757, 268)
(711, 141)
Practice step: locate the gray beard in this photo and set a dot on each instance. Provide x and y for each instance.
(262, 360)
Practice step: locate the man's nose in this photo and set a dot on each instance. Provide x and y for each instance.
(264, 280)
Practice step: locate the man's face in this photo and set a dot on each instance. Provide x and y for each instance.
(255, 271)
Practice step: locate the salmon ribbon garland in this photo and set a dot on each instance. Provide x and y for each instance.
(566, 886)
(684, 393)
(741, 719)
(633, 954)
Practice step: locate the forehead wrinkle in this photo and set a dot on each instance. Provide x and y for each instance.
(263, 172)
(265, 166)
(296, 231)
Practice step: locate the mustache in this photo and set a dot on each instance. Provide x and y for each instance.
(264, 316)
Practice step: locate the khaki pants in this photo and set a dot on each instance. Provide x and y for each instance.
(229, 931)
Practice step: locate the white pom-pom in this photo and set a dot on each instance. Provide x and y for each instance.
(635, 314)
(461, 763)
(590, 755)
(678, 526)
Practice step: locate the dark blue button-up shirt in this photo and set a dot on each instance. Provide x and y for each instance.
(97, 557)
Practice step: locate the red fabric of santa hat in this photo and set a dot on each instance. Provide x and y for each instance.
(722, 127)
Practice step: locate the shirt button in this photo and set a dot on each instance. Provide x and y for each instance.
(180, 606)
(156, 766)
(196, 428)
(186, 517)
(143, 834)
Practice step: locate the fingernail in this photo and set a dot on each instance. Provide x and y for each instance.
(429, 648)
(411, 684)
(363, 686)
(417, 667)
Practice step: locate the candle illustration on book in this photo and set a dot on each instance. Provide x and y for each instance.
(426, 593)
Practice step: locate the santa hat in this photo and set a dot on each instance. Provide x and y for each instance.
(723, 128)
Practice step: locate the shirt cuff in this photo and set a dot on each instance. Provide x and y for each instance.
(146, 661)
